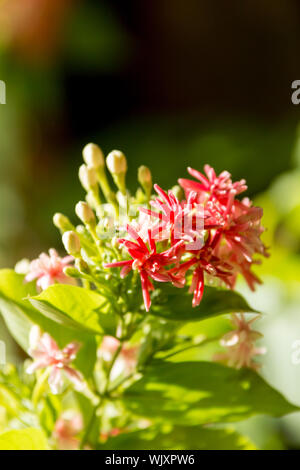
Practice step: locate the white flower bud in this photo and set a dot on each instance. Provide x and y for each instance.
(71, 243)
(88, 177)
(35, 335)
(93, 156)
(22, 266)
(116, 162)
(85, 213)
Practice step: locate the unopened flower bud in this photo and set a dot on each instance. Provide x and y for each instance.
(117, 165)
(144, 175)
(145, 179)
(178, 192)
(22, 266)
(85, 213)
(34, 336)
(62, 222)
(116, 162)
(70, 271)
(88, 177)
(82, 266)
(71, 243)
(93, 156)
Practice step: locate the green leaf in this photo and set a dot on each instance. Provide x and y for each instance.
(193, 393)
(23, 439)
(9, 401)
(19, 317)
(75, 307)
(176, 304)
(180, 438)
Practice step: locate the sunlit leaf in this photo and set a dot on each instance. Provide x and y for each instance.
(194, 393)
(19, 317)
(180, 438)
(75, 307)
(176, 304)
(23, 439)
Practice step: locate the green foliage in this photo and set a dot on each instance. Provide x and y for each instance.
(23, 439)
(19, 317)
(76, 307)
(180, 438)
(194, 393)
(175, 304)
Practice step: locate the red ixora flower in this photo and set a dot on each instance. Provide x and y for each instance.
(211, 233)
(180, 220)
(220, 187)
(148, 262)
(205, 261)
(238, 239)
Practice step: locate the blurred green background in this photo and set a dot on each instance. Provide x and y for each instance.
(172, 84)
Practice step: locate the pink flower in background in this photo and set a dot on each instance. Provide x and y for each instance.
(126, 360)
(65, 431)
(46, 353)
(104, 436)
(240, 346)
(49, 269)
(108, 347)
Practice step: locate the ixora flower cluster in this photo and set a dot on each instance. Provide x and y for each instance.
(141, 272)
(208, 233)
(197, 233)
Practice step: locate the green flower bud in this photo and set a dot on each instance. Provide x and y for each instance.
(144, 175)
(62, 222)
(71, 243)
(88, 177)
(85, 213)
(145, 179)
(178, 192)
(71, 272)
(93, 156)
(82, 266)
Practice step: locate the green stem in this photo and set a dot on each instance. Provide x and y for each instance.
(112, 362)
(39, 386)
(89, 427)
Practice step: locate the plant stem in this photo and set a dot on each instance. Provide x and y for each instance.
(106, 389)
(89, 427)
(202, 343)
(112, 362)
